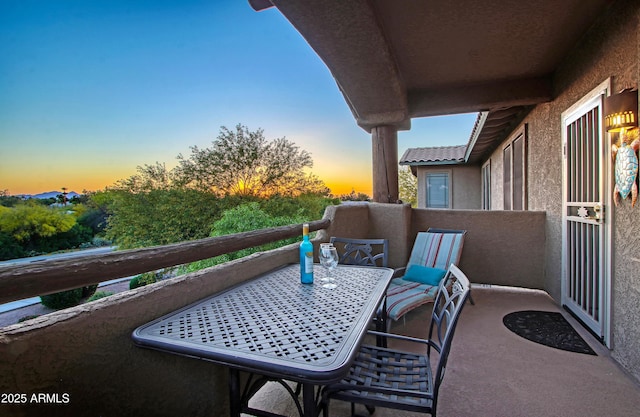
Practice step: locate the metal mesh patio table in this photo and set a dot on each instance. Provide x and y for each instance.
(276, 327)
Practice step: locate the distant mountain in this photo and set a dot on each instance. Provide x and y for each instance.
(50, 194)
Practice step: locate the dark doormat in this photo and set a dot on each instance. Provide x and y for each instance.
(547, 328)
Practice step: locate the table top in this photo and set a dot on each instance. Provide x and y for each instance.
(275, 325)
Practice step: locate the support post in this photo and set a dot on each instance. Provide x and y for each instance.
(385, 164)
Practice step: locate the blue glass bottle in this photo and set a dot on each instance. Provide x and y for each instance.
(306, 257)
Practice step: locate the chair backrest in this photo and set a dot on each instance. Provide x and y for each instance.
(437, 248)
(451, 297)
(366, 252)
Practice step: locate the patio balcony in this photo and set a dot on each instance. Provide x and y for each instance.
(83, 358)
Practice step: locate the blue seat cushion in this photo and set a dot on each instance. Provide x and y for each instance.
(424, 275)
(403, 296)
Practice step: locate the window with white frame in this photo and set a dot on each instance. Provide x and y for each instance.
(514, 160)
(486, 185)
(438, 193)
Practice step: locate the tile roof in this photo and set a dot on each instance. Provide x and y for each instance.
(434, 155)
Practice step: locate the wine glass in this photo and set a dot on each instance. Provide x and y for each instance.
(323, 256)
(329, 261)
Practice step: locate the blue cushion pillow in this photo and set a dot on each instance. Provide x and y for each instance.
(424, 274)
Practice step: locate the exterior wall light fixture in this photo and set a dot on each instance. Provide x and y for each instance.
(621, 111)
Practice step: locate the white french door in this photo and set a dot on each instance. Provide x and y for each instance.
(586, 239)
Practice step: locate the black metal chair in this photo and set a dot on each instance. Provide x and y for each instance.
(365, 252)
(405, 380)
(362, 251)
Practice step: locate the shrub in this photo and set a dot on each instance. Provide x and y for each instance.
(144, 279)
(135, 282)
(63, 299)
(60, 241)
(69, 298)
(243, 218)
(96, 242)
(10, 248)
(99, 295)
(89, 290)
(247, 217)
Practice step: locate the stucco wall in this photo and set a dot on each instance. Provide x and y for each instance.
(622, 61)
(500, 248)
(86, 352)
(347, 220)
(372, 221)
(392, 221)
(612, 49)
(466, 190)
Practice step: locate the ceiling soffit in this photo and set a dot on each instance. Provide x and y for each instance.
(349, 39)
(397, 60)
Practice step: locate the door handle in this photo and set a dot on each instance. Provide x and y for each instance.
(599, 213)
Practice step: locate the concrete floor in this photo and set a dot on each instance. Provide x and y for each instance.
(492, 372)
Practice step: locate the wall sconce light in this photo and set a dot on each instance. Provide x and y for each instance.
(621, 111)
(620, 115)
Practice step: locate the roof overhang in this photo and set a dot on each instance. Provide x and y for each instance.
(490, 129)
(394, 61)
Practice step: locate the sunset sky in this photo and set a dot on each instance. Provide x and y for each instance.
(89, 90)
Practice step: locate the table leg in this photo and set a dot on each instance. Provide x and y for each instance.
(309, 401)
(382, 325)
(235, 407)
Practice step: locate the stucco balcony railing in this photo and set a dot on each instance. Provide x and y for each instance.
(86, 352)
(17, 282)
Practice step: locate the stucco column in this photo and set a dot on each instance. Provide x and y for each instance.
(385, 164)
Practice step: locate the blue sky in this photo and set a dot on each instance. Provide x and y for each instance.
(90, 89)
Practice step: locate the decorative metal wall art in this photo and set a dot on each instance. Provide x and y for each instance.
(621, 115)
(626, 169)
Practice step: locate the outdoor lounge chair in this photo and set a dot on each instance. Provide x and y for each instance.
(433, 252)
(406, 380)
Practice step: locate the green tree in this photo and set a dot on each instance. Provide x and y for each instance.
(407, 186)
(245, 163)
(244, 218)
(29, 220)
(160, 217)
(97, 210)
(353, 196)
(304, 206)
(148, 178)
(157, 206)
(31, 228)
(7, 200)
(93, 219)
(62, 198)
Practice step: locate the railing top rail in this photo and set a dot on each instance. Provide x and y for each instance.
(23, 281)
